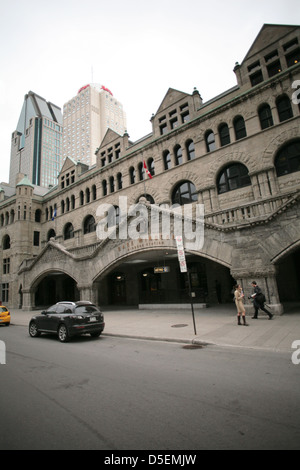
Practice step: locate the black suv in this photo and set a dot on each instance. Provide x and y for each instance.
(67, 319)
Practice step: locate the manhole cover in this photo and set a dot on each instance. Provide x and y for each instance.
(180, 325)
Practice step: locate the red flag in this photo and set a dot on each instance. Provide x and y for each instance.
(147, 171)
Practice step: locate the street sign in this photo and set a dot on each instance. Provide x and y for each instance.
(181, 254)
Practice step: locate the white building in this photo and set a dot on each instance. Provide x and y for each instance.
(86, 118)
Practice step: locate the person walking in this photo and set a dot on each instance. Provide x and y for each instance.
(239, 297)
(259, 301)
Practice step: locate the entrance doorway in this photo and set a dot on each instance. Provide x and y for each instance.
(56, 288)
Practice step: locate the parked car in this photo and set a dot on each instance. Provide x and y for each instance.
(68, 319)
(4, 315)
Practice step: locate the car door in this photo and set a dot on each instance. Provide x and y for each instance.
(45, 319)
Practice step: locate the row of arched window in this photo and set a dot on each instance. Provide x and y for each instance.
(284, 110)
(234, 176)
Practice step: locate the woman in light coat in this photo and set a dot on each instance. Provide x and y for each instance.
(239, 297)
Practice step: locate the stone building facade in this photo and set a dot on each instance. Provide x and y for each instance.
(238, 155)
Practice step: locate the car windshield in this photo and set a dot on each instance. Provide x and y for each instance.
(3, 309)
(86, 309)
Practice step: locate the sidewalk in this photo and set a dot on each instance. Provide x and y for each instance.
(214, 325)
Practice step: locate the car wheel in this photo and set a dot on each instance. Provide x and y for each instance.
(33, 330)
(63, 334)
(96, 334)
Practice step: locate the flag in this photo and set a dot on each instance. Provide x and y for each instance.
(147, 171)
(54, 215)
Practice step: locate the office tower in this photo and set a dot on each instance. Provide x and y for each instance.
(86, 118)
(36, 142)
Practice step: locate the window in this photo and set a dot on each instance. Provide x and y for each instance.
(239, 127)
(36, 238)
(265, 116)
(184, 193)
(210, 141)
(68, 231)
(141, 171)
(232, 177)
(150, 166)
(167, 160)
(132, 175)
(81, 197)
(224, 134)
(190, 148)
(6, 242)
(288, 159)
(178, 155)
(104, 188)
(284, 108)
(6, 266)
(119, 180)
(112, 184)
(89, 225)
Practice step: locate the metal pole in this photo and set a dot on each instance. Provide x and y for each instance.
(192, 304)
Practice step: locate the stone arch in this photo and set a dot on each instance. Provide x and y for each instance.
(271, 150)
(224, 160)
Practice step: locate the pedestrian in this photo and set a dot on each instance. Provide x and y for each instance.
(239, 297)
(259, 301)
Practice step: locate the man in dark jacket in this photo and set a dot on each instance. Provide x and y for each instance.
(259, 301)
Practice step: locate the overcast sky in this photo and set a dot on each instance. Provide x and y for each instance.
(136, 48)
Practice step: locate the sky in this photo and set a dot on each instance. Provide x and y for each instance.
(136, 48)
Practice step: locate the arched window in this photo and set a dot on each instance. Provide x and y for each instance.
(73, 201)
(190, 148)
(178, 155)
(239, 127)
(119, 180)
(224, 134)
(284, 108)
(184, 193)
(265, 116)
(94, 192)
(67, 204)
(141, 171)
(288, 159)
(104, 188)
(167, 160)
(62, 207)
(132, 175)
(6, 242)
(68, 231)
(38, 215)
(89, 225)
(232, 177)
(112, 184)
(150, 166)
(51, 234)
(81, 197)
(210, 141)
(87, 195)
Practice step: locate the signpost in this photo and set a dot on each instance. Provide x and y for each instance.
(183, 269)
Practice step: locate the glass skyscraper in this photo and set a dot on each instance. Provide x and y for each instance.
(36, 146)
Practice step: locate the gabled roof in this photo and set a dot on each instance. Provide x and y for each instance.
(109, 137)
(269, 33)
(171, 97)
(68, 163)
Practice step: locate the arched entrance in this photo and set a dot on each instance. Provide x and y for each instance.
(288, 279)
(154, 277)
(55, 287)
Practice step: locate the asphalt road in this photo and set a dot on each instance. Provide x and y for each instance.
(117, 394)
